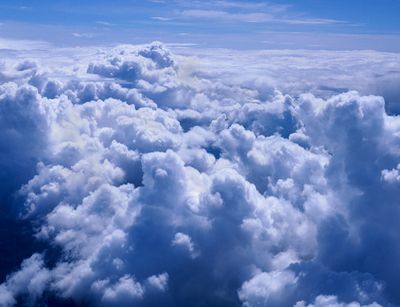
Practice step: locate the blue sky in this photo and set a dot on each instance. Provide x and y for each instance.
(309, 24)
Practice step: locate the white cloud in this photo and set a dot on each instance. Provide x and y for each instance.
(161, 18)
(258, 290)
(391, 176)
(183, 240)
(332, 301)
(82, 35)
(160, 179)
(223, 15)
(258, 17)
(254, 5)
(14, 44)
(105, 23)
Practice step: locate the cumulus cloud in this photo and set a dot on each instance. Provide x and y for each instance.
(331, 301)
(259, 291)
(391, 176)
(145, 178)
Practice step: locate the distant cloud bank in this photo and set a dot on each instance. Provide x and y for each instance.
(151, 178)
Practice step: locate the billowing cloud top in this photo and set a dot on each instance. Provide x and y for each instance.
(135, 177)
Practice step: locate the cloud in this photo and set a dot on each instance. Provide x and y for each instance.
(242, 12)
(288, 70)
(255, 12)
(257, 17)
(184, 241)
(391, 176)
(82, 35)
(161, 18)
(246, 17)
(258, 290)
(13, 44)
(331, 300)
(153, 178)
(105, 23)
(255, 5)
(30, 280)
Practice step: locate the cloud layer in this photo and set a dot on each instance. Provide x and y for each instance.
(143, 180)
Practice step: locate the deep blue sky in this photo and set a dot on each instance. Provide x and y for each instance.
(312, 24)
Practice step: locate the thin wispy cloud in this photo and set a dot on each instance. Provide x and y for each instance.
(245, 12)
(160, 18)
(223, 15)
(105, 23)
(230, 4)
(15, 44)
(82, 35)
(254, 5)
(255, 17)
